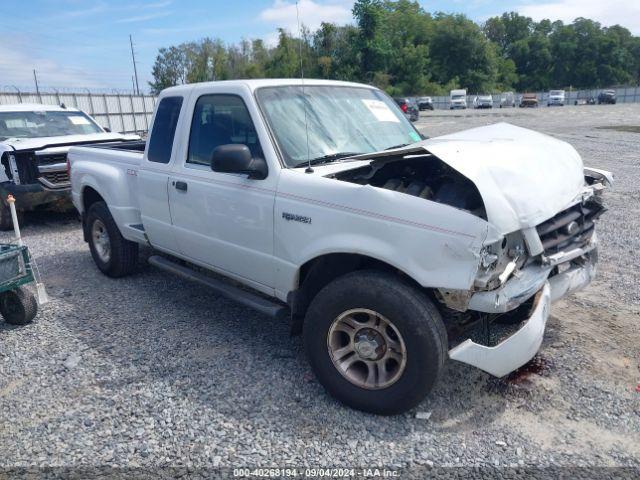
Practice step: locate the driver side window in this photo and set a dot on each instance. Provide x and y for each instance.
(220, 120)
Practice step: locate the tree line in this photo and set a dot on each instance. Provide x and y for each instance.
(398, 46)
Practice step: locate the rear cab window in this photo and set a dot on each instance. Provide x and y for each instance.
(164, 130)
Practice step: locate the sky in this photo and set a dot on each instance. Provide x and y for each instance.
(78, 44)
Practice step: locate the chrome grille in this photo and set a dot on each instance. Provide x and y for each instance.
(570, 228)
(58, 179)
(50, 159)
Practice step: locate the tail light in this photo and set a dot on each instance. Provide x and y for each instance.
(404, 107)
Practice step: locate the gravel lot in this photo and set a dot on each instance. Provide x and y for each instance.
(150, 371)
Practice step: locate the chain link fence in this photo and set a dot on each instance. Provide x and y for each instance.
(629, 94)
(117, 111)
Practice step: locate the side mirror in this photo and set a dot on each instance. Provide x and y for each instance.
(107, 129)
(237, 158)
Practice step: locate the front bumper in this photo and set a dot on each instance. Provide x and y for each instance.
(32, 195)
(513, 352)
(521, 347)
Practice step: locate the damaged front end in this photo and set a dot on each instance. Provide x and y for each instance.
(546, 246)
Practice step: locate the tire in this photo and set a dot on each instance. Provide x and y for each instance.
(19, 306)
(418, 328)
(114, 255)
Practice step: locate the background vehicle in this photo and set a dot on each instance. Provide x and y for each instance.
(380, 248)
(607, 96)
(458, 99)
(507, 99)
(585, 99)
(529, 100)
(34, 140)
(425, 103)
(409, 107)
(483, 101)
(556, 97)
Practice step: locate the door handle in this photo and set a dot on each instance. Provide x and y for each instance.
(180, 185)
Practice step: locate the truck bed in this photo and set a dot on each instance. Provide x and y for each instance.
(127, 145)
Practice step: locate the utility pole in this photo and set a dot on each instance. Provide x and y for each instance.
(135, 69)
(35, 78)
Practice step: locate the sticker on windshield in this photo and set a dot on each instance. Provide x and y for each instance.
(414, 136)
(381, 111)
(78, 120)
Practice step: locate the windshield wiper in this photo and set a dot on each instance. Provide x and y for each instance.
(397, 146)
(332, 157)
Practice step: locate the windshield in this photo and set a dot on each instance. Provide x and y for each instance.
(45, 124)
(458, 97)
(340, 120)
(556, 92)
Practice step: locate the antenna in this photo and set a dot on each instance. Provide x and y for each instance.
(304, 103)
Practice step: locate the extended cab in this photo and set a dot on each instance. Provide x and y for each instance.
(34, 140)
(322, 201)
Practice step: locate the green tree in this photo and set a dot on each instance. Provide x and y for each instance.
(398, 46)
(370, 41)
(459, 50)
(169, 69)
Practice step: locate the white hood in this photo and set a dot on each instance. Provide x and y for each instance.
(524, 177)
(41, 142)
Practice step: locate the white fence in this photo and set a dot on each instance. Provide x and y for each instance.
(119, 112)
(623, 95)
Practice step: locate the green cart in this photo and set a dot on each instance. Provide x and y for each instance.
(18, 305)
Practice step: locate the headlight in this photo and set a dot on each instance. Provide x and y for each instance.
(499, 260)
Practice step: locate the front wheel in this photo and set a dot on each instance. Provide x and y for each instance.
(113, 254)
(375, 342)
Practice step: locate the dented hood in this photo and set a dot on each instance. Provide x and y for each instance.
(524, 177)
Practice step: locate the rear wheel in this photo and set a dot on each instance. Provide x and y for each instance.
(19, 306)
(375, 342)
(114, 255)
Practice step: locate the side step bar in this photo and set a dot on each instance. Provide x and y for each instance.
(244, 297)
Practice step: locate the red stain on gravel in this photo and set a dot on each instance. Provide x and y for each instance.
(538, 365)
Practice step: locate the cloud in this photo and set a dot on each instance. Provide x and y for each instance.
(611, 12)
(143, 18)
(282, 14)
(102, 8)
(19, 56)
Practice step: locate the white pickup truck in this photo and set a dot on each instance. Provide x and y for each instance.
(322, 203)
(34, 140)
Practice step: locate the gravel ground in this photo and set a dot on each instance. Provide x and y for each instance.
(149, 371)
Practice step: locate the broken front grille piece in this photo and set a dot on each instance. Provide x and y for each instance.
(571, 228)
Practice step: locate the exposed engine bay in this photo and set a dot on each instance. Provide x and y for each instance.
(424, 176)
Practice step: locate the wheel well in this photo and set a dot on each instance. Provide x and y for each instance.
(317, 273)
(89, 197)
